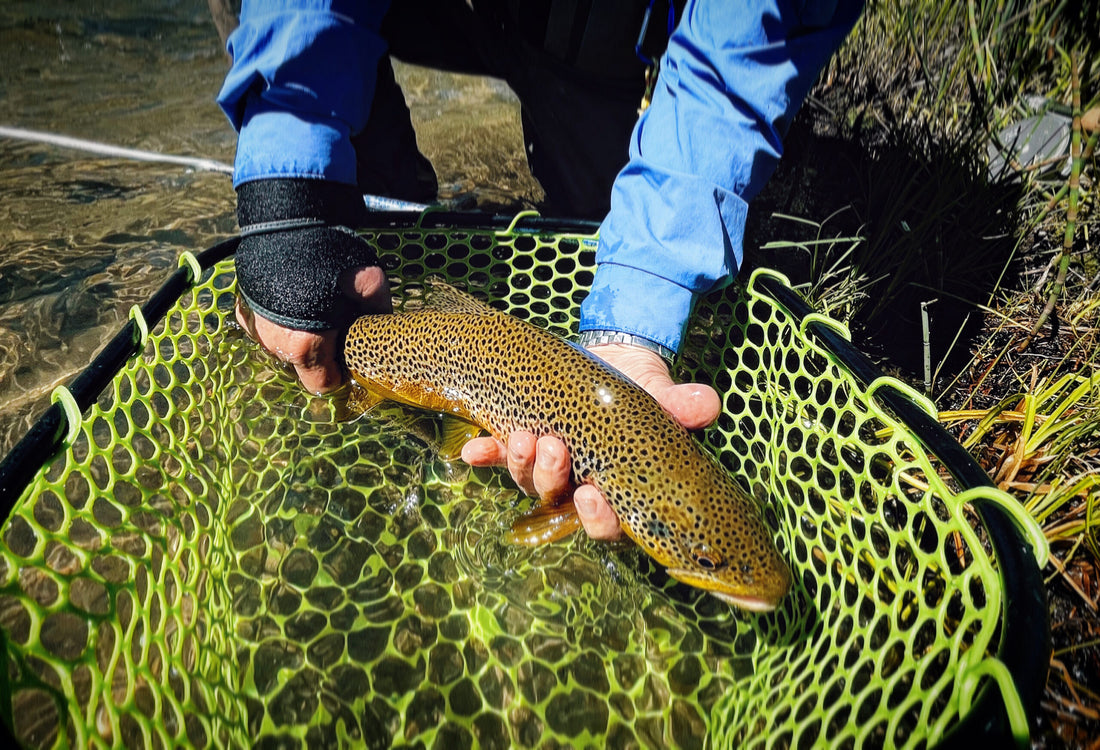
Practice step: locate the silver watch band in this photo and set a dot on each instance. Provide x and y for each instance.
(595, 337)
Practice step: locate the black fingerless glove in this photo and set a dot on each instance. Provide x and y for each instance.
(296, 242)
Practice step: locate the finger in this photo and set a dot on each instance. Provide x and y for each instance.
(313, 355)
(485, 451)
(317, 368)
(322, 378)
(521, 460)
(597, 517)
(550, 474)
(369, 287)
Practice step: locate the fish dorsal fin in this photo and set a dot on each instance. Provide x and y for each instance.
(443, 297)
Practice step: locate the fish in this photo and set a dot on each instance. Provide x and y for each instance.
(456, 355)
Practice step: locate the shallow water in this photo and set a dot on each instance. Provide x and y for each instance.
(83, 237)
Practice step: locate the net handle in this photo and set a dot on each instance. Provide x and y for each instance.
(425, 213)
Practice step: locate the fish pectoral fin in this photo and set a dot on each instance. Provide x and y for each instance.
(545, 523)
(453, 434)
(354, 400)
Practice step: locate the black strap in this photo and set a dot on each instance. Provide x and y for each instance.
(288, 199)
(281, 226)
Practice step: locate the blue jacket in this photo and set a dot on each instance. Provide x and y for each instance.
(733, 76)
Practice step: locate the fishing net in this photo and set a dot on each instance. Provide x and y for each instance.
(215, 557)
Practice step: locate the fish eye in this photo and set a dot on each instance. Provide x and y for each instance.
(707, 558)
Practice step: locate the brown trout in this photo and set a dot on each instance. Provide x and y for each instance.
(458, 356)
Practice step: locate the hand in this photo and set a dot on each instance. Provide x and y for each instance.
(541, 467)
(312, 353)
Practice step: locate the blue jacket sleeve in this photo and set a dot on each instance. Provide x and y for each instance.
(734, 75)
(301, 85)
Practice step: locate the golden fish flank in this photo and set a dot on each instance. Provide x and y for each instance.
(459, 356)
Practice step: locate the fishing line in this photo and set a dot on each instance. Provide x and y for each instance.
(119, 152)
(373, 202)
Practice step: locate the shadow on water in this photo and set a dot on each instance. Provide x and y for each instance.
(935, 229)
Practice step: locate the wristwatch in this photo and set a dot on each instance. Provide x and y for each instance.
(592, 338)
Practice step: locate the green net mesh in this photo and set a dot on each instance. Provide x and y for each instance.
(218, 558)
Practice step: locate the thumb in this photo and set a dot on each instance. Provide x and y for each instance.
(312, 354)
(694, 405)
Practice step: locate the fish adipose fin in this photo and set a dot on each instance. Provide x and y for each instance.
(545, 523)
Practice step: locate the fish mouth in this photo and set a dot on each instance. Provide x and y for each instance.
(752, 604)
(742, 600)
